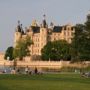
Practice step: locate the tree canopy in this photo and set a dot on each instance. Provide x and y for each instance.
(9, 53)
(81, 41)
(78, 50)
(56, 50)
(22, 48)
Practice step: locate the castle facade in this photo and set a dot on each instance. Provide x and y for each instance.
(41, 34)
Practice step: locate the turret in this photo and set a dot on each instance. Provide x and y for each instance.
(51, 25)
(44, 23)
(34, 23)
(18, 33)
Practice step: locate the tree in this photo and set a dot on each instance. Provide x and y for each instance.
(22, 48)
(81, 42)
(87, 39)
(77, 42)
(87, 24)
(56, 51)
(9, 53)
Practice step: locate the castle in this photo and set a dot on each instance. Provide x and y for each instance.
(41, 34)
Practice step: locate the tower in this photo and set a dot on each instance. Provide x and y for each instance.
(18, 33)
(44, 23)
(43, 33)
(34, 23)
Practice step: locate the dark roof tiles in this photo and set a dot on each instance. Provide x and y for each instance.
(57, 29)
(35, 29)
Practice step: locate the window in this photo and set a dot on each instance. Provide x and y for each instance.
(54, 39)
(72, 34)
(38, 50)
(68, 33)
(38, 39)
(64, 33)
(68, 28)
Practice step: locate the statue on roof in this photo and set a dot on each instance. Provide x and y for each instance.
(34, 23)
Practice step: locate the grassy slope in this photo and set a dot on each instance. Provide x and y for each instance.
(44, 82)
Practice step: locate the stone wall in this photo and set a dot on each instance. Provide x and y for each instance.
(42, 64)
(45, 64)
(1, 56)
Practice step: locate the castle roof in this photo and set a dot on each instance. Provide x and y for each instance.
(57, 29)
(35, 29)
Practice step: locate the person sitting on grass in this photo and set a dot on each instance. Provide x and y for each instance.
(18, 71)
(86, 74)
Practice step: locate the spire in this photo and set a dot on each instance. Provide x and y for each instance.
(19, 27)
(44, 16)
(18, 22)
(44, 24)
(51, 24)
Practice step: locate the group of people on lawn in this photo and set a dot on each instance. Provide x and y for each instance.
(19, 71)
(27, 71)
(87, 74)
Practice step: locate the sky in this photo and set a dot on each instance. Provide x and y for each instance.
(60, 12)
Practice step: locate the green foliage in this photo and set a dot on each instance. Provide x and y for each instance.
(77, 41)
(79, 50)
(87, 24)
(56, 51)
(9, 53)
(22, 48)
(81, 41)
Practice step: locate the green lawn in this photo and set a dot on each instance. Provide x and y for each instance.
(44, 82)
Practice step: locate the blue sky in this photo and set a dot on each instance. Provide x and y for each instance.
(58, 11)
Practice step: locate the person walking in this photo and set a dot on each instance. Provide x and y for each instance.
(26, 70)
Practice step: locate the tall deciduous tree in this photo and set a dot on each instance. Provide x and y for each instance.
(21, 50)
(77, 41)
(81, 41)
(87, 24)
(56, 50)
